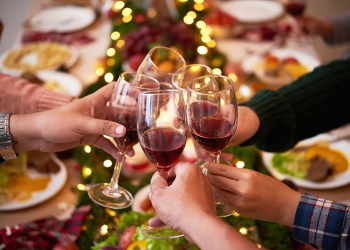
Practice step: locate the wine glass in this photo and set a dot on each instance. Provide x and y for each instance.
(189, 73)
(212, 117)
(163, 64)
(123, 110)
(162, 129)
(296, 9)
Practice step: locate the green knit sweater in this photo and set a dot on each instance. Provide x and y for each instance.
(315, 103)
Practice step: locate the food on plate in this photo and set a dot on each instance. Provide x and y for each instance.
(316, 162)
(42, 162)
(50, 84)
(222, 24)
(280, 70)
(15, 182)
(218, 17)
(37, 56)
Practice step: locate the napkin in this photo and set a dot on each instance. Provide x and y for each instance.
(44, 233)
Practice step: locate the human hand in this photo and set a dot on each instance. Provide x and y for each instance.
(189, 193)
(81, 122)
(253, 194)
(314, 26)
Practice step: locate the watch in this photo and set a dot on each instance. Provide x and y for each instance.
(6, 147)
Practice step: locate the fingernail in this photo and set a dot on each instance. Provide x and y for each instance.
(119, 130)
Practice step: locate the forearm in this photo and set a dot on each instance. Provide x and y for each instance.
(323, 223)
(315, 103)
(210, 232)
(20, 96)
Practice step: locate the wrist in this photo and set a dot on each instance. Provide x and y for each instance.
(23, 131)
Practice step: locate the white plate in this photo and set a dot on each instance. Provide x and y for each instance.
(251, 11)
(66, 83)
(62, 19)
(250, 63)
(334, 181)
(30, 56)
(54, 186)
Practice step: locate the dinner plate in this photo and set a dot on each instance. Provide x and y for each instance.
(55, 184)
(251, 63)
(62, 19)
(334, 181)
(37, 56)
(61, 82)
(253, 11)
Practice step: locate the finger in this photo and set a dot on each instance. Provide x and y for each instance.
(156, 222)
(224, 170)
(106, 145)
(225, 197)
(92, 126)
(224, 183)
(105, 92)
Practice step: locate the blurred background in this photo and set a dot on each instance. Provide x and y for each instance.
(13, 14)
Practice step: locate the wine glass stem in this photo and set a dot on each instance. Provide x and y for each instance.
(215, 158)
(113, 185)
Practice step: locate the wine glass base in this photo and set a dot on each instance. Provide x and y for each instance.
(223, 210)
(100, 194)
(161, 233)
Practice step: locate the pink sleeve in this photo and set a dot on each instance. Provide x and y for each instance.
(19, 96)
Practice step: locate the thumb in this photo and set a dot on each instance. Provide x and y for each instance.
(103, 127)
(157, 182)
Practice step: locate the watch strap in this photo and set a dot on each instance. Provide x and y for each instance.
(6, 146)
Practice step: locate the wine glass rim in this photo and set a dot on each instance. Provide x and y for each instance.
(178, 72)
(135, 74)
(189, 88)
(160, 91)
(173, 51)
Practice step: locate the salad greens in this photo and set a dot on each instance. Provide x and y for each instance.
(291, 163)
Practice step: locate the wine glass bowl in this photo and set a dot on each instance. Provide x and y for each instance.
(123, 110)
(295, 7)
(163, 64)
(162, 133)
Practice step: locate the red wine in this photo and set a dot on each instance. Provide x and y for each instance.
(212, 133)
(295, 9)
(163, 146)
(130, 122)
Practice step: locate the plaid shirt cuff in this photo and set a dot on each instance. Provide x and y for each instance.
(322, 223)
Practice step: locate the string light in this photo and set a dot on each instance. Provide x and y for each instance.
(115, 35)
(87, 171)
(107, 163)
(110, 52)
(87, 149)
(104, 229)
(109, 77)
(120, 43)
(240, 164)
(202, 50)
(243, 230)
(81, 187)
(217, 71)
(99, 71)
(118, 5)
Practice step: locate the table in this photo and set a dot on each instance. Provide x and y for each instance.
(64, 202)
